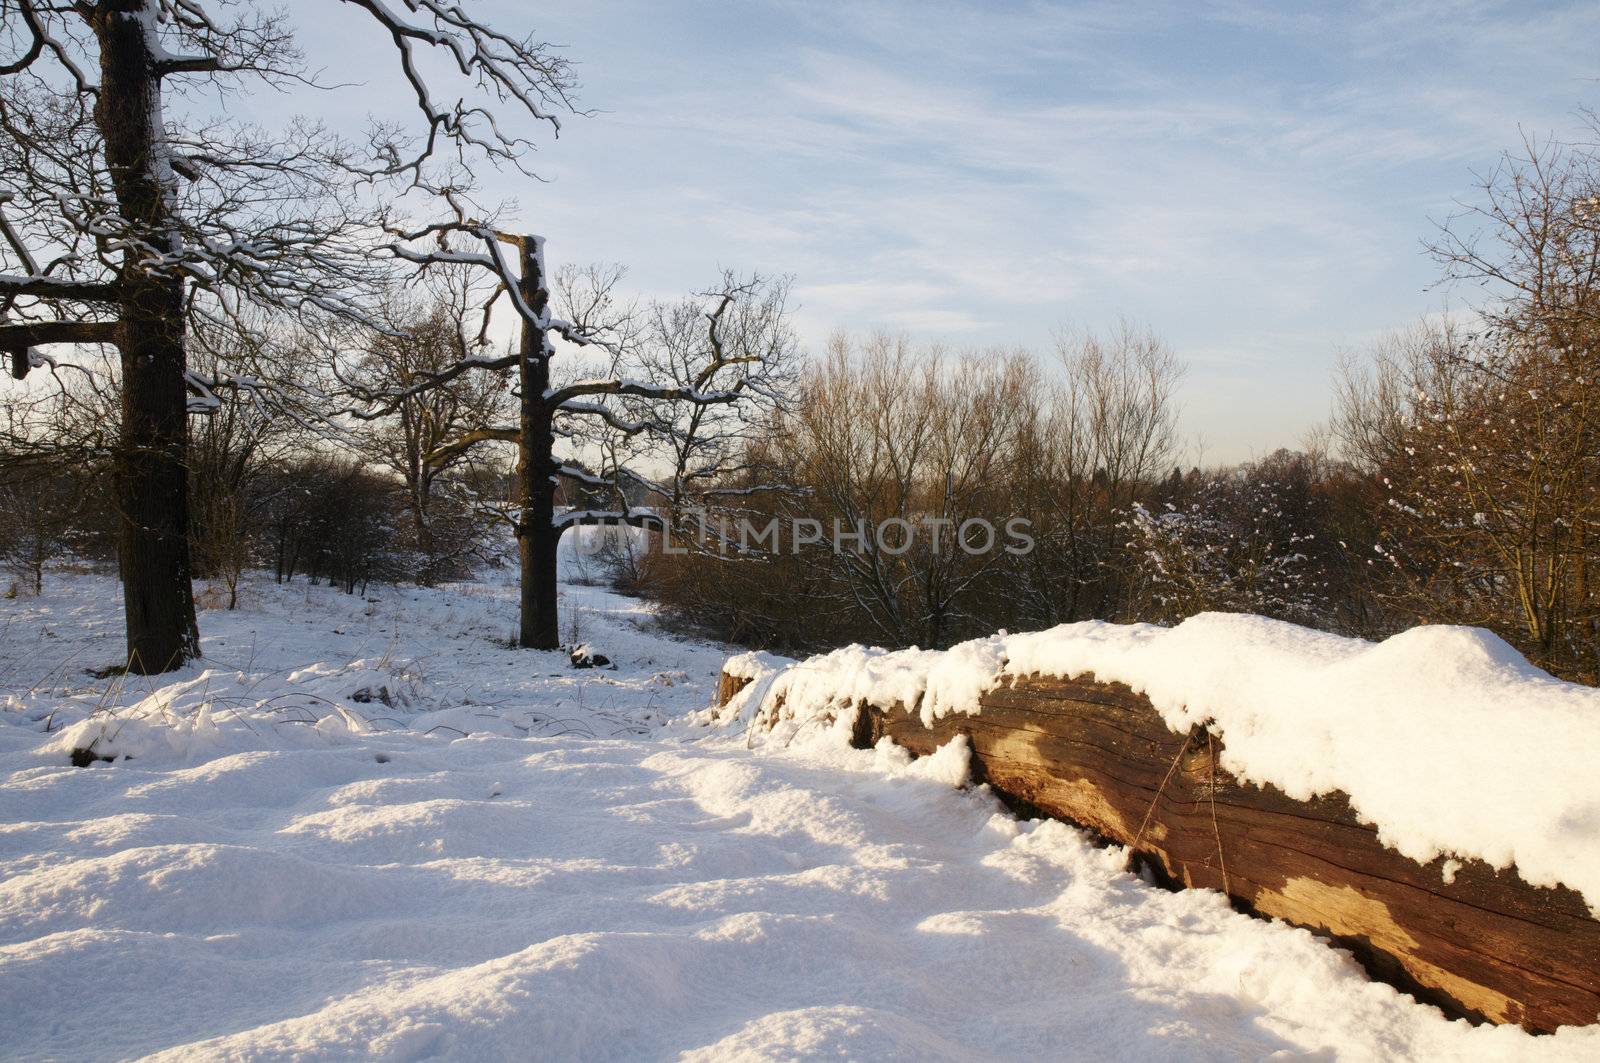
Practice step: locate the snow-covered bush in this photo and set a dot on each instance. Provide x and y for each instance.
(1481, 437)
(1235, 545)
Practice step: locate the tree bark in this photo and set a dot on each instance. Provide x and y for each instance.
(152, 487)
(537, 535)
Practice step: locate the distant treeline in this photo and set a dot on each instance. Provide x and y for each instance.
(1457, 482)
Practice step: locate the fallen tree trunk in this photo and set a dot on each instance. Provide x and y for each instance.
(1478, 943)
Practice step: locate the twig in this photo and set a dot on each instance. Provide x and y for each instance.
(1216, 828)
(1134, 846)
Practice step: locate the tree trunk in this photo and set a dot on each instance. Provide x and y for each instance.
(537, 535)
(423, 531)
(153, 492)
(152, 467)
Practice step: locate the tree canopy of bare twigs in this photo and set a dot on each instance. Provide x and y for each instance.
(677, 386)
(128, 213)
(1484, 440)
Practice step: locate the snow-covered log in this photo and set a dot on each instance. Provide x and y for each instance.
(1449, 926)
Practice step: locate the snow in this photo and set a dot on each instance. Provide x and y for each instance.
(491, 855)
(1443, 737)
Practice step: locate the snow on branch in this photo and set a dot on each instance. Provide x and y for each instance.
(19, 339)
(638, 518)
(461, 444)
(522, 72)
(606, 414)
(384, 401)
(679, 384)
(12, 285)
(639, 389)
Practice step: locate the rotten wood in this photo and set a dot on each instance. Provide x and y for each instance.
(1478, 943)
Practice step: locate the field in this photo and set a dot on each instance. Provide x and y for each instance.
(363, 826)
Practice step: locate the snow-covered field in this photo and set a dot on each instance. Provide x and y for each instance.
(364, 827)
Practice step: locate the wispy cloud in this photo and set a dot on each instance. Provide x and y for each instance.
(1251, 177)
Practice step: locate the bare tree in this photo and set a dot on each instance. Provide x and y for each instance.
(424, 336)
(1530, 238)
(631, 398)
(1484, 446)
(125, 215)
(1245, 539)
(897, 450)
(1483, 451)
(39, 508)
(888, 438)
(244, 431)
(1090, 449)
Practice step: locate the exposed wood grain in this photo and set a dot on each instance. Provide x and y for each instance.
(1485, 945)
(728, 685)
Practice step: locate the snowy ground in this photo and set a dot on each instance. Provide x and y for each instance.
(494, 856)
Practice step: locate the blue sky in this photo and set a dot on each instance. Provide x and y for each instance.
(1253, 180)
